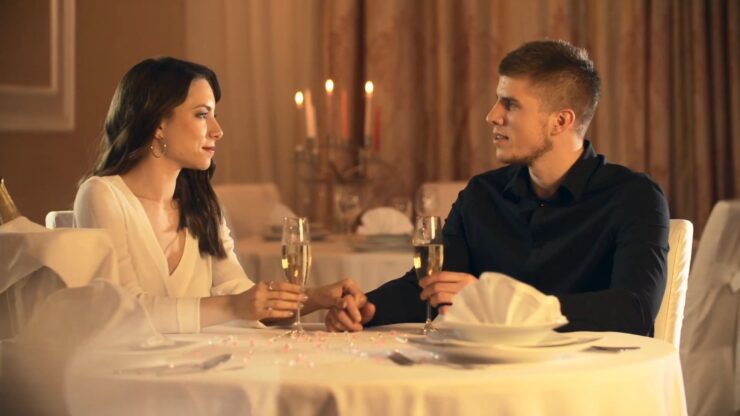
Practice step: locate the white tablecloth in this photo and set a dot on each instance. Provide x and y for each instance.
(349, 374)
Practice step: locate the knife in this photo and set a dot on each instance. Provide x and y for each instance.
(184, 368)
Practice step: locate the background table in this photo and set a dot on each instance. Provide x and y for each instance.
(349, 374)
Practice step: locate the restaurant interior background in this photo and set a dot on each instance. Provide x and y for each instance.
(670, 101)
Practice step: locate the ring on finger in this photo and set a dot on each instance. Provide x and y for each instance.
(269, 286)
(269, 309)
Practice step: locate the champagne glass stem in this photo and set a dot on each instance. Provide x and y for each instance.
(297, 320)
(428, 327)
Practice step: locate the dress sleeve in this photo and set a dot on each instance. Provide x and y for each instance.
(638, 278)
(97, 205)
(228, 275)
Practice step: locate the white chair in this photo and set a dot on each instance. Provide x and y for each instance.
(710, 349)
(59, 219)
(670, 315)
(446, 194)
(248, 206)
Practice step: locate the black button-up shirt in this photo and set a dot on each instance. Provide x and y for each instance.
(599, 244)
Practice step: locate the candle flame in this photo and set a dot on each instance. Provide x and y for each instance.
(369, 88)
(299, 99)
(329, 86)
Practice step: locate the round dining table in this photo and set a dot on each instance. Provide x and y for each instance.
(237, 370)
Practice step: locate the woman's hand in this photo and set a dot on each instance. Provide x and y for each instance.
(269, 301)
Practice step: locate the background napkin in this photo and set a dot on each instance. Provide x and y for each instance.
(384, 220)
(500, 299)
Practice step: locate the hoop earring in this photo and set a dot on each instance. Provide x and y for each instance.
(162, 152)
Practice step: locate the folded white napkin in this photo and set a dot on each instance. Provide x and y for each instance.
(384, 220)
(500, 299)
(277, 214)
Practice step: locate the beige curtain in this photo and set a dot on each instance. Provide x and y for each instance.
(669, 67)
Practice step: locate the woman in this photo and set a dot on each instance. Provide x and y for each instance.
(151, 190)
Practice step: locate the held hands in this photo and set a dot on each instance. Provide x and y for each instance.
(439, 288)
(349, 312)
(324, 297)
(268, 301)
(354, 310)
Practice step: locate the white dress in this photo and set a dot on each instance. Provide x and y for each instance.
(172, 300)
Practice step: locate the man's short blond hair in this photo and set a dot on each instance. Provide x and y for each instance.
(564, 73)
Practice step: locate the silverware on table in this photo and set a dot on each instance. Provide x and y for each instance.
(402, 359)
(607, 348)
(184, 368)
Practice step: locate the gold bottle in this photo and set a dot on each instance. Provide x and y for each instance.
(8, 211)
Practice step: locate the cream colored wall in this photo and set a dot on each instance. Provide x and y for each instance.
(41, 169)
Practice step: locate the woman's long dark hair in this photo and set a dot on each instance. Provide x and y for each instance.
(146, 95)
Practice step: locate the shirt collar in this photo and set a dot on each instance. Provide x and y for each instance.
(574, 183)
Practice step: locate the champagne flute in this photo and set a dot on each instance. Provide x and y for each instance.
(426, 201)
(296, 260)
(349, 204)
(428, 254)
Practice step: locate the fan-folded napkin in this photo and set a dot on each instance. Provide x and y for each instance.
(384, 220)
(499, 299)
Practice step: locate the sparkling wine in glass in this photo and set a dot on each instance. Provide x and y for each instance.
(296, 260)
(428, 254)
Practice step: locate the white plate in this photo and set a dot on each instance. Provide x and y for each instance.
(502, 334)
(362, 243)
(473, 351)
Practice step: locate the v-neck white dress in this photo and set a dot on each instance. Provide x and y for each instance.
(172, 300)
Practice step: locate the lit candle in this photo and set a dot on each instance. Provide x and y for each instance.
(299, 105)
(299, 100)
(345, 114)
(368, 110)
(310, 116)
(329, 85)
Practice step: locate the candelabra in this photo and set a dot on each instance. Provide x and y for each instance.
(330, 171)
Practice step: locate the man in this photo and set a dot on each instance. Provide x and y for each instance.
(558, 217)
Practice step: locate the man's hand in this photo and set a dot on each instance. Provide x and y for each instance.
(350, 313)
(439, 288)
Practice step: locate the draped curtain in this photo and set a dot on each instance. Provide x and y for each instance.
(670, 101)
